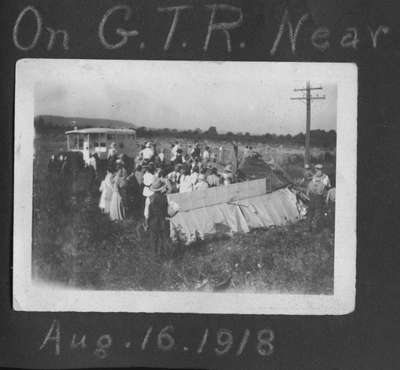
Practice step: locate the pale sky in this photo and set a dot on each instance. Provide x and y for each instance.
(233, 96)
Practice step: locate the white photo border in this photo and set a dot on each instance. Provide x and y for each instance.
(29, 295)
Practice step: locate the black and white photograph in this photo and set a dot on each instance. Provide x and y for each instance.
(185, 186)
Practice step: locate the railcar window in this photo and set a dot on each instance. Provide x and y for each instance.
(76, 142)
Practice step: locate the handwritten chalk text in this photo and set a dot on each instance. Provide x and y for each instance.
(127, 11)
(124, 22)
(38, 27)
(165, 339)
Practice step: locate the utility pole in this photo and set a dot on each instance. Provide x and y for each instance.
(308, 98)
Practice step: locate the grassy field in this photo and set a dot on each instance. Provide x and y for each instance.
(81, 247)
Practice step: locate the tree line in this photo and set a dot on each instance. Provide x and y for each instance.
(319, 138)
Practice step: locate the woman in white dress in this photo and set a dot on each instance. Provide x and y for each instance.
(117, 209)
(106, 189)
(148, 179)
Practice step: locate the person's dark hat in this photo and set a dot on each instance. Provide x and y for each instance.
(158, 185)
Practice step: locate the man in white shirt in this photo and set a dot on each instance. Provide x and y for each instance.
(316, 192)
(323, 177)
(206, 154)
(174, 151)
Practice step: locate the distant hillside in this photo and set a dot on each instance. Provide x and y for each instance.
(68, 123)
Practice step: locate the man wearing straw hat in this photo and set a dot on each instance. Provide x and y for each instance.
(158, 211)
(323, 176)
(316, 192)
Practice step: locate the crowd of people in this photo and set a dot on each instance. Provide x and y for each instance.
(153, 175)
(137, 188)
